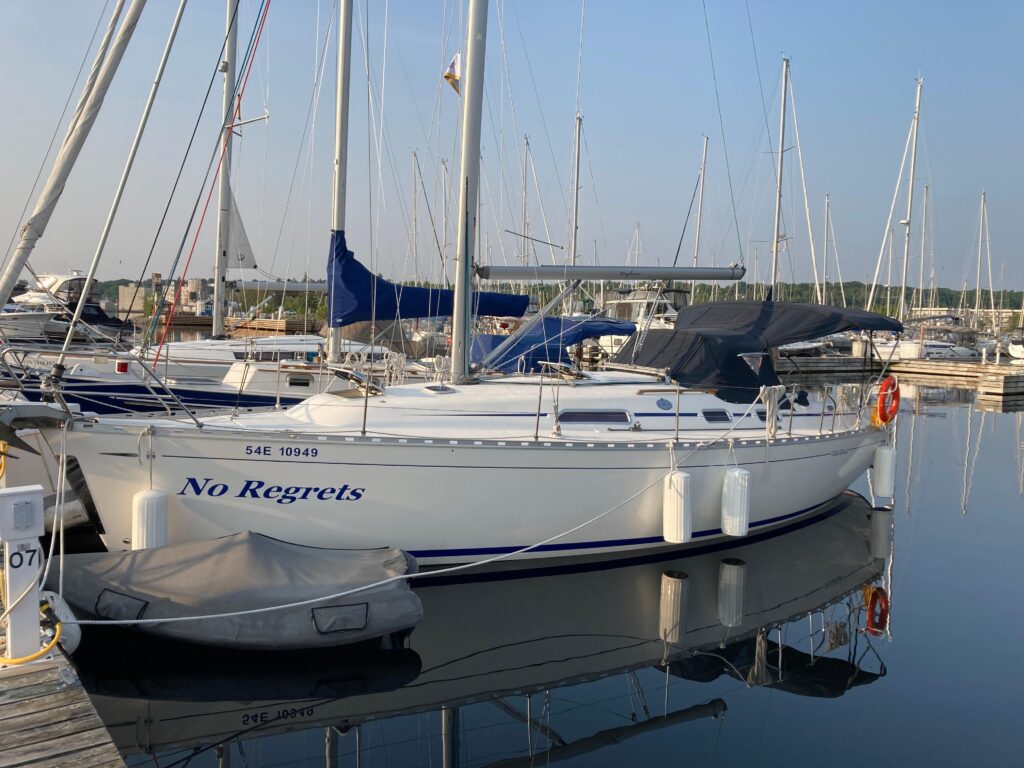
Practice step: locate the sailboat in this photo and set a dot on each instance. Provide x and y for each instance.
(521, 467)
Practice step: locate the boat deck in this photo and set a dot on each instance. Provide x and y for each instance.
(46, 719)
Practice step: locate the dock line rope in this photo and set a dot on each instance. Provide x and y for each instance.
(410, 576)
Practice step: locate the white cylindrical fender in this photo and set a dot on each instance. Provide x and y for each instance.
(70, 633)
(677, 512)
(885, 471)
(881, 533)
(149, 519)
(732, 578)
(672, 619)
(736, 502)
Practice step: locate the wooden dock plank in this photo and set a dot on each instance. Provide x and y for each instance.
(47, 719)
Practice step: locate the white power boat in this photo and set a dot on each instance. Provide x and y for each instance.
(645, 307)
(19, 323)
(925, 349)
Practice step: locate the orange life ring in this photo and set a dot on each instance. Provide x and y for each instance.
(878, 612)
(888, 400)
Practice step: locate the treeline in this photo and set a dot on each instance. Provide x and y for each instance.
(855, 293)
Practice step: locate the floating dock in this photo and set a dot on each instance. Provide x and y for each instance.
(990, 380)
(46, 719)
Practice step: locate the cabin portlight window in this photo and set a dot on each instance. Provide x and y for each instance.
(300, 380)
(594, 417)
(716, 416)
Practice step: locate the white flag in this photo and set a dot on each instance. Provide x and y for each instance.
(454, 73)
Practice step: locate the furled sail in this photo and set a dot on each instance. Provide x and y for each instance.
(353, 292)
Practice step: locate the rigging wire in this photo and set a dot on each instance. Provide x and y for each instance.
(302, 140)
(320, 59)
(222, 144)
(540, 109)
(56, 131)
(721, 125)
(174, 188)
(593, 186)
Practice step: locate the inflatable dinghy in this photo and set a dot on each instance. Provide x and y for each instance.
(243, 572)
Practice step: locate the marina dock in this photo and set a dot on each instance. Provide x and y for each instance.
(992, 381)
(46, 719)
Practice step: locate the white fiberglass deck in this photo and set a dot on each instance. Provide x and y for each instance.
(605, 407)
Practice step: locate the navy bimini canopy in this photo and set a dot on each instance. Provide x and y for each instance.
(350, 294)
(703, 349)
(547, 342)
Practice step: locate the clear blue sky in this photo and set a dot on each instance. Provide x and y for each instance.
(647, 96)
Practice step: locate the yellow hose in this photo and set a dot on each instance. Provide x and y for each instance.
(38, 654)
(3, 457)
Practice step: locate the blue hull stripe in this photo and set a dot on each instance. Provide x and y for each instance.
(575, 546)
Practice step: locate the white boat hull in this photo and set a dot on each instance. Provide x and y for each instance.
(24, 325)
(449, 501)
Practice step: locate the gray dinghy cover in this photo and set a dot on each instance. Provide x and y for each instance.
(242, 572)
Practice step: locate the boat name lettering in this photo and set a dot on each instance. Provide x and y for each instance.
(282, 494)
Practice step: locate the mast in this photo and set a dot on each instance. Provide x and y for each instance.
(888, 277)
(415, 215)
(977, 285)
(807, 202)
(700, 213)
(526, 221)
(220, 260)
(824, 257)
(910, 201)
(72, 147)
(988, 259)
(920, 266)
(575, 193)
(469, 178)
(341, 145)
(778, 175)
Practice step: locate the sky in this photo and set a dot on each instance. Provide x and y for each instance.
(647, 93)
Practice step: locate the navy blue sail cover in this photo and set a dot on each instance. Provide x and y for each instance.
(351, 286)
(704, 348)
(548, 341)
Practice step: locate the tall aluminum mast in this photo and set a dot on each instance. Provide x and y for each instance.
(220, 259)
(575, 193)
(910, 202)
(700, 215)
(924, 238)
(341, 147)
(977, 285)
(469, 178)
(824, 258)
(776, 238)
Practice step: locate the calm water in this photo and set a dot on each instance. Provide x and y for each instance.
(572, 667)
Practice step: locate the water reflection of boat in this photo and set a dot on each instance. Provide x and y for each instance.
(485, 639)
